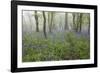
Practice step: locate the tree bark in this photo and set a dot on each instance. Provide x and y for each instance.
(44, 25)
(51, 23)
(81, 16)
(74, 22)
(36, 19)
(66, 21)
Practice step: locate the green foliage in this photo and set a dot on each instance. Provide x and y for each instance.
(79, 46)
(71, 48)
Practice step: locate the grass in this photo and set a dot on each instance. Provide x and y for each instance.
(71, 48)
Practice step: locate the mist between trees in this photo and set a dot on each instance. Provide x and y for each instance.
(41, 28)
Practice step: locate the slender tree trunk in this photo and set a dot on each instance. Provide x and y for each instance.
(66, 21)
(44, 25)
(36, 19)
(78, 22)
(49, 21)
(50, 26)
(74, 22)
(81, 15)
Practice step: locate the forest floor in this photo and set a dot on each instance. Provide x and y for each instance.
(57, 46)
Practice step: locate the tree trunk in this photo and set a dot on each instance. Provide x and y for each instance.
(36, 19)
(81, 15)
(51, 23)
(44, 25)
(74, 22)
(66, 21)
(78, 22)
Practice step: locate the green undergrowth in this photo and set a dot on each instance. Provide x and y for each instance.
(72, 48)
